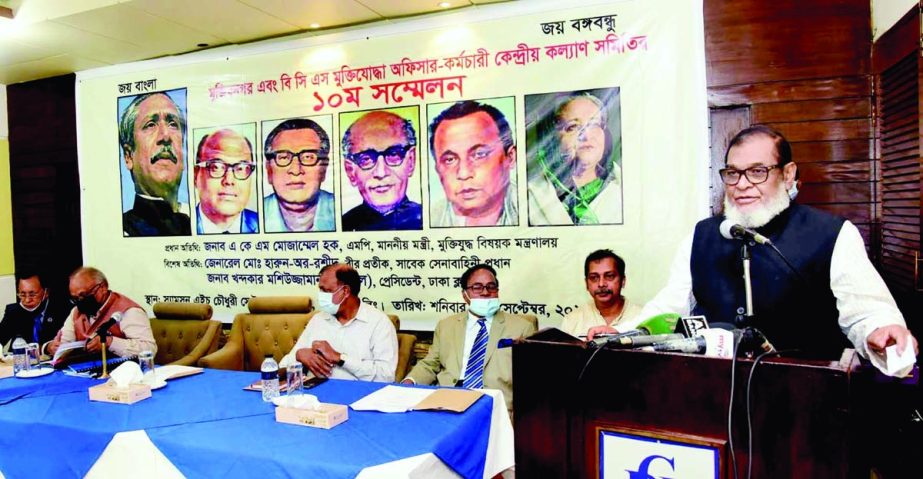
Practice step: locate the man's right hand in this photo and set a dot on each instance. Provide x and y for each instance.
(53, 346)
(599, 330)
(316, 363)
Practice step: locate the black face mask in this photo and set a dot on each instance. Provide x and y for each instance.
(88, 306)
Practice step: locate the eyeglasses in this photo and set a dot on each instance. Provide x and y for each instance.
(91, 292)
(366, 160)
(755, 174)
(283, 158)
(479, 288)
(218, 168)
(29, 295)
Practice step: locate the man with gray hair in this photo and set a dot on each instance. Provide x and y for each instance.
(94, 305)
(380, 152)
(152, 134)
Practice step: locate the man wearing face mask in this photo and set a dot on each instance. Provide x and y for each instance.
(94, 305)
(37, 316)
(464, 351)
(346, 339)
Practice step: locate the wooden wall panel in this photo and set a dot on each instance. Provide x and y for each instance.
(754, 41)
(45, 184)
(804, 68)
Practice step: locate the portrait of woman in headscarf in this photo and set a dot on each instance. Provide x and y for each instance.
(574, 152)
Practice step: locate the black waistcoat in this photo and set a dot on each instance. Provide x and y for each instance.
(793, 312)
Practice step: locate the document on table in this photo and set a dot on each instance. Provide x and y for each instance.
(392, 399)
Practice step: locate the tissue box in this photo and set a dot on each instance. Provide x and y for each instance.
(329, 415)
(109, 393)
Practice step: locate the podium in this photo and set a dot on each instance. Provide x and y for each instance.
(629, 403)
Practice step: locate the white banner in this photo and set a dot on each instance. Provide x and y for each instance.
(524, 135)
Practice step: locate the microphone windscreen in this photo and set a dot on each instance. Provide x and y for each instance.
(725, 229)
(661, 324)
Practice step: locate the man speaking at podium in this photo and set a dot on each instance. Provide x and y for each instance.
(836, 293)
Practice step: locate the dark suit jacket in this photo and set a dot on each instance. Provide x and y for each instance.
(443, 363)
(17, 322)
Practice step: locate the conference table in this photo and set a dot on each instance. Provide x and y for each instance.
(206, 425)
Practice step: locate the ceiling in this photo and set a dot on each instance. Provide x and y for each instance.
(52, 37)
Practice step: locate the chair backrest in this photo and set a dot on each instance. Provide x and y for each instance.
(396, 321)
(273, 325)
(405, 344)
(179, 327)
(176, 338)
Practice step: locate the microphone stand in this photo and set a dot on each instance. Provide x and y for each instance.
(748, 287)
(102, 341)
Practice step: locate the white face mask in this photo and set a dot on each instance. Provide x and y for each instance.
(484, 307)
(325, 302)
(34, 307)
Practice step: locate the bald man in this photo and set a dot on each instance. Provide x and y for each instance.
(380, 153)
(223, 171)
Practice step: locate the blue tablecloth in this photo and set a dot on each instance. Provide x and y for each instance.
(208, 426)
(13, 388)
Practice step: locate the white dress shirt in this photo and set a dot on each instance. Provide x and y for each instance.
(369, 342)
(580, 320)
(862, 298)
(210, 228)
(471, 333)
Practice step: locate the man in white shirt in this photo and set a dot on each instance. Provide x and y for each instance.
(346, 339)
(604, 274)
(836, 293)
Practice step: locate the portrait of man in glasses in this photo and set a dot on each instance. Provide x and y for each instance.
(223, 180)
(474, 156)
(380, 156)
(152, 145)
(297, 153)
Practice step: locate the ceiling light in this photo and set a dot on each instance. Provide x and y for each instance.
(444, 4)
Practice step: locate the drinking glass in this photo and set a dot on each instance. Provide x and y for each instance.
(146, 361)
(32, 355)
(295, 378)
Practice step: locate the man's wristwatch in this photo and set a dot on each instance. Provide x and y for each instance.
(342, 360)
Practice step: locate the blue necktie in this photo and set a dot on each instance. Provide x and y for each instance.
(37, 326)
(474, 372)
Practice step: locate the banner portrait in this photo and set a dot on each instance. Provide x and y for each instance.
(522, 135)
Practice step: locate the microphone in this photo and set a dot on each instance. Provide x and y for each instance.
(660, 324)
(103, 329)
(730, 230)
(638, 341)
(715, 343)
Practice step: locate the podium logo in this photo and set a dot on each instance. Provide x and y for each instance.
(624, 455)
(642, 473)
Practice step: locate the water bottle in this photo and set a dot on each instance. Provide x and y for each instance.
(20, 361)
(270, 374)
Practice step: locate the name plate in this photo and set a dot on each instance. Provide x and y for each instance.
(659, 457)
(109, 393)
(327, 417)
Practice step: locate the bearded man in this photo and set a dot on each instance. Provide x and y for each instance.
(836, 294)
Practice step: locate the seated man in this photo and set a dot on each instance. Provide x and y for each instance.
(94, 304)
(464, 351)
(37, 316)
(604, 273)
(346, 339)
